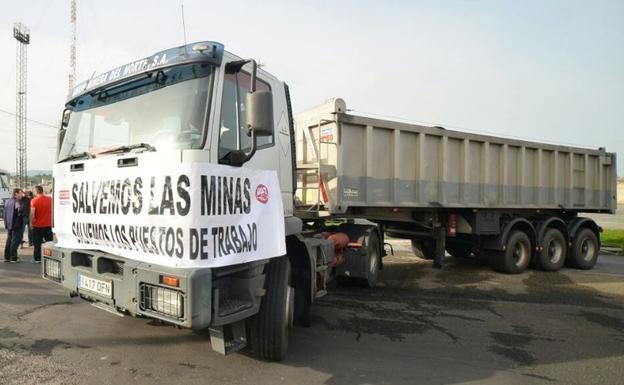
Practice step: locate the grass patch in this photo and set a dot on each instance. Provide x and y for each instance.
(612, 237)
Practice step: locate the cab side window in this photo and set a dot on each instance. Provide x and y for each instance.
(233, 136)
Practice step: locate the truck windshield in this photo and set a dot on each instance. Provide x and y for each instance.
(165, 109)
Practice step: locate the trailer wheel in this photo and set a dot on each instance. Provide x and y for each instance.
(584, 253)
(267, 331)
(373, 260)
(516, 256)
(553, 255)
(424, 248)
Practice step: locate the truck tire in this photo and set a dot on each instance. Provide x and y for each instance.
(459, 250)
(367, 273)
(553, 255)
(516, 256)
(584, 252)
(267, 331)
(424, 248)
(373, 260)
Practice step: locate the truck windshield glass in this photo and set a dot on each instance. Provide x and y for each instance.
(165, 109)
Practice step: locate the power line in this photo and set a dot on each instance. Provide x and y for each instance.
(30, 120)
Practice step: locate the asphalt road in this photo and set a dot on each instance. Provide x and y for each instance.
(463, 324)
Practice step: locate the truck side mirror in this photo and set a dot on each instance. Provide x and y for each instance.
(260, 113)
(62, 130)
(59, 140)
(65, 119)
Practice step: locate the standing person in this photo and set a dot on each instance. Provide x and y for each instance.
(14, 223)
(41, 219)
(27, 225)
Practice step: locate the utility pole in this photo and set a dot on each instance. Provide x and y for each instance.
(72, 47)
(22, 35)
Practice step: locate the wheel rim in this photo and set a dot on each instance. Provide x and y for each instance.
(588, 248)
(554, 251)
(520, 253)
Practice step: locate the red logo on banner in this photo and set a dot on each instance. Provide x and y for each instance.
(262, 193)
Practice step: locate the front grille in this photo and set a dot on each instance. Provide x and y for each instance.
(112, 266)
(81, 259)
(52, 269)
(160, 300)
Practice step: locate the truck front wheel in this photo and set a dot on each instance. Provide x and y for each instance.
(373, 260)
(267, 331)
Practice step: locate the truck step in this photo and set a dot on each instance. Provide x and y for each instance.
(233, 305)
(107, 308)
(320, 294)
(307, 166)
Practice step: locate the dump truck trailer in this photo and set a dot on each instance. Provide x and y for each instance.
(420, 182)
(186, 191)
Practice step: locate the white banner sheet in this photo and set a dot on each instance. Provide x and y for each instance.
(180, 215)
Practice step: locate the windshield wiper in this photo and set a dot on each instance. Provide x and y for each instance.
(131, 147)
(79, 155)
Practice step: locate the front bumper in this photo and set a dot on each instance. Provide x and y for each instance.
(204, 297)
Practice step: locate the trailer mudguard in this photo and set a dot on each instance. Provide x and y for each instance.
(578, 223)
(555, 222)
(499, 242)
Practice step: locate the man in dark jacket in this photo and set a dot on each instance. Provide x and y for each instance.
(14, 223)
(28, 195)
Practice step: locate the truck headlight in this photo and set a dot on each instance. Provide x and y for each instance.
(52, 269)
(162, 300)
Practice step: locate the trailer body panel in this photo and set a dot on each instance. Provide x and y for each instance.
(367, 162)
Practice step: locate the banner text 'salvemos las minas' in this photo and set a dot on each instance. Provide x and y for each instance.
(186, 214)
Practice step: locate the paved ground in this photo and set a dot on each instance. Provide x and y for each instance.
(464, 324)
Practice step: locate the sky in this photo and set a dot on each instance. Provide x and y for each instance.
(541, 70)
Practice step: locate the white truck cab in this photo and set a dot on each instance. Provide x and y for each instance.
(187, 105)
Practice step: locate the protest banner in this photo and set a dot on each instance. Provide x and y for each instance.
(178, 215)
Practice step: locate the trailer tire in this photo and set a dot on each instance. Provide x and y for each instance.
(584, 252)
(516, 256)
(553, 255)
(267, 331)
(424, 248)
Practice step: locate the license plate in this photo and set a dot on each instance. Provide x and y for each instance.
(103, 288)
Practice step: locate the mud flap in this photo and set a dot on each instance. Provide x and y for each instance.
(228, 339)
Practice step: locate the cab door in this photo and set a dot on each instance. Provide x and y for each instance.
(232, 124)
(273, 152)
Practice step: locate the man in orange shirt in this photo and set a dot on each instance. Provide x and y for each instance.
(41, 221)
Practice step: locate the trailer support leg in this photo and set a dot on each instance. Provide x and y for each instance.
(440, 246)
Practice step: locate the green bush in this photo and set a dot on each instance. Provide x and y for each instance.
(612, 237)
